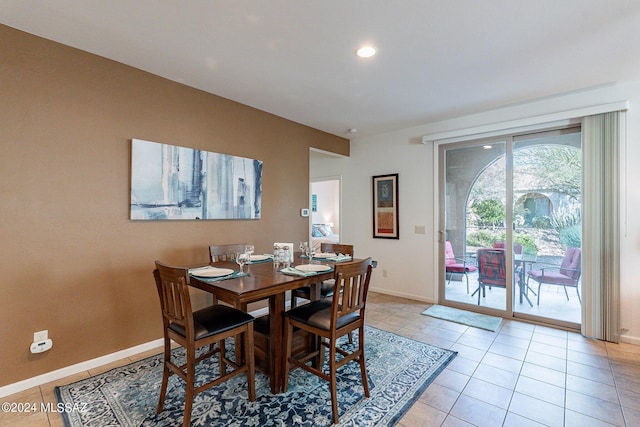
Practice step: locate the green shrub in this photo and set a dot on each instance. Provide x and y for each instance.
(571, 237)
(528, 243)
(565, 219)
(541, 222)
(482, 238)
(489, 212)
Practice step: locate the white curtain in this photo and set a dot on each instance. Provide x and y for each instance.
(601, 135)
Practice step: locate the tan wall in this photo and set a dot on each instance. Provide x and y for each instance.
(71, 260)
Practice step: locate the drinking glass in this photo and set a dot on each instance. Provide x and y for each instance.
(307, 250)
(241, 258)
(286, 256)
(249, 249)
(276, 256)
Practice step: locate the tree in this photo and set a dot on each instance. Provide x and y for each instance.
(489, 212)
(549, 168)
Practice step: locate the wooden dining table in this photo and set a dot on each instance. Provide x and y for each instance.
(265, 282)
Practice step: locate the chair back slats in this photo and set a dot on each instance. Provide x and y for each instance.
(219, 253)
(352, 286)
(336, 248)
(173, 290)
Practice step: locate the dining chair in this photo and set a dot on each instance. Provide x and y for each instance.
(453, 265)
(329, 320)
(219, 253)
(326, 287)
(193, 330)
(336, 248)
(567, 274)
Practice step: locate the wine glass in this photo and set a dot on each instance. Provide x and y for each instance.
(249, 249)
(301, 247)
(241, 258)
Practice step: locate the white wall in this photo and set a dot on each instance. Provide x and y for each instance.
(410, 262)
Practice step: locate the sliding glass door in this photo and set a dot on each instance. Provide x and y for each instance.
(547, 207)
(511, 217)
(473, 193)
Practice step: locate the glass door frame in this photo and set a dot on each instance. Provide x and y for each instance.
(441, 225)
(509, 140)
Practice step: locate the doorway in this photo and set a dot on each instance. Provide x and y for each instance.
(512, 213)
(325, 219)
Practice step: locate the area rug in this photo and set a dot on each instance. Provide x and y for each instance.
(477, 320)
(399, 370)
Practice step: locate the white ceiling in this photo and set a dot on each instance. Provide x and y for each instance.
(437, 59)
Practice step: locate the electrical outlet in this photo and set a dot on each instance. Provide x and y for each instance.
(40, 336)
(421, 229)
(384, 273)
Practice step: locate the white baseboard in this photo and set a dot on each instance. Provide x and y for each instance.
(91, 364)
(401, 294)
(629, 339)
(77, 368)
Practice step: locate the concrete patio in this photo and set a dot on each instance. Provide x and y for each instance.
(553, 301)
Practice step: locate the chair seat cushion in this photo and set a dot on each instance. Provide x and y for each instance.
(326, 290)
(214, 320)
(493, 282)
(318, 314)
(461, 268)
(552, 277)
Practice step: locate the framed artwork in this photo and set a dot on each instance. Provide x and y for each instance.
(385, 207)
(169, 182)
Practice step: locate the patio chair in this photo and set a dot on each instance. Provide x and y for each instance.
(455, 265)
(492, 270)
(568, 273)
(517, 247)
(519, 268)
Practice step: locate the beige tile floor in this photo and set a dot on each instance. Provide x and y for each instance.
(521, 375)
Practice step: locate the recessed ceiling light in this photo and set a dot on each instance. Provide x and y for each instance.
(366, 52)
(487, 147)
(352, 130)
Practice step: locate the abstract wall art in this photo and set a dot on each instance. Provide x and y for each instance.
(169, 182)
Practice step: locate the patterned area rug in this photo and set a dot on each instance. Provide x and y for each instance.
(477, 320)
(399, 370)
